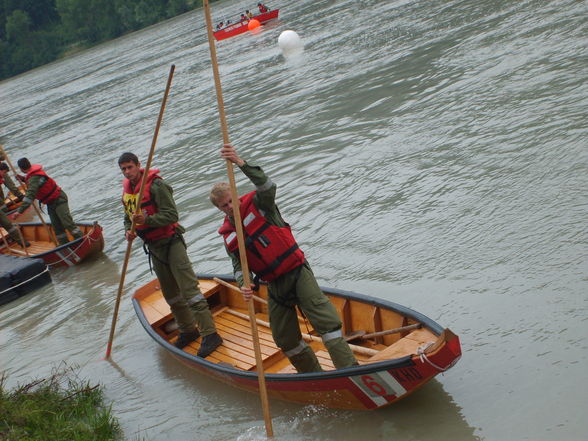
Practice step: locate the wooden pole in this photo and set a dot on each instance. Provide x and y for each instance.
(23, 242)
(238, 225)
(50, 231)
(138, 210)
(254, 297)
(391, 331)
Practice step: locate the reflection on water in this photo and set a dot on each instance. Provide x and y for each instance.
(428, 408)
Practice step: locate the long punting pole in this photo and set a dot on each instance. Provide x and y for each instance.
(37, 210)
(138, 210)
(238, 225)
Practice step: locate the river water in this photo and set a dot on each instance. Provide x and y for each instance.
(431, 153)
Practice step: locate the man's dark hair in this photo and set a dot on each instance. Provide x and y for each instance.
(23, 164)
(3, 166)
(128, 157)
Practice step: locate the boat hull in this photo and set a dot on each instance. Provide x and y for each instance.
(241, 27)
(69, 254)
(371, 385)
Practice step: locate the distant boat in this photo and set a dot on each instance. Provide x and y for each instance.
(398, 349)
(242, 26)
(41, 245)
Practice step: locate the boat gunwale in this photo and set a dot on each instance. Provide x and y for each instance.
(65, 245)
(363, 369)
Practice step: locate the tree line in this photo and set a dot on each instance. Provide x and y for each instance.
(35, 32)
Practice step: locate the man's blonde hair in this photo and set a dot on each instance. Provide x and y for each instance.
(218, 191)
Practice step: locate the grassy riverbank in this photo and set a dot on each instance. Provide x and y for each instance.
(58, 408)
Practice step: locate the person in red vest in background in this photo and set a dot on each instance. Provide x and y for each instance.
(262, 8)
(45, 189)
(9, 184)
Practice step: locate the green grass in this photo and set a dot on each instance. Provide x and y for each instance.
(59, 408)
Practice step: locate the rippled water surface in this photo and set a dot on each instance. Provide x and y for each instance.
(431, 153)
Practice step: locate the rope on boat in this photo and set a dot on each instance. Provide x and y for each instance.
(423, 356)
(86, 237)
(26, 281)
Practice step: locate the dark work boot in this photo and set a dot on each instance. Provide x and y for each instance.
(186, 338)
(209, 344)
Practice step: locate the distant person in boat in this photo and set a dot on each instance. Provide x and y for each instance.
(158, 226)
(7, 182)
(12, 230)
(274, 257)
(243, 17)
(45, 189)
(248, 13)
(262, 8)
(220, 25)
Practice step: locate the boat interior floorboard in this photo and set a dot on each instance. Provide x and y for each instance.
(232, 322)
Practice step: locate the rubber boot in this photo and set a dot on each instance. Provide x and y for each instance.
(76, 233)
(305, 361)
(340, 353)
(186, 338)
(62, 238)
(209, 344)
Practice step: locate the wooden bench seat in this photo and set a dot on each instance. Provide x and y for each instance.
(407, 345)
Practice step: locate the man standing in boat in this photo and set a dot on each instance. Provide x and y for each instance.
(157, 224)
(42, 187)
(274, 256)
(9, 184)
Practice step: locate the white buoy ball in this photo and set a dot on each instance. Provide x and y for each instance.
(290, 43)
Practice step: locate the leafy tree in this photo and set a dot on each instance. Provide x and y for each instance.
(149, 12)
(125, 10)
(177, 7)
(73, 18)
(41, 12)
(18, 27)
(34, 32)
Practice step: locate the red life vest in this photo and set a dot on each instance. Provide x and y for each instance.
(271, 250)
(47, 192)
(130, 198)
(263, 9)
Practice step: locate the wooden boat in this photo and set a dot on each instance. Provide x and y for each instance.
(44, 248)
(242, 26)
(398, 349)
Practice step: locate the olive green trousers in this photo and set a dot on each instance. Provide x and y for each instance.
(180, 286)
